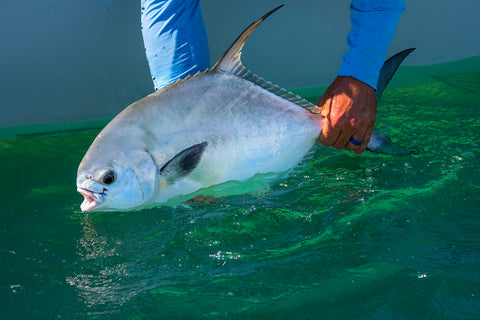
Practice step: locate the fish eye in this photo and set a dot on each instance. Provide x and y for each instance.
(108, 177)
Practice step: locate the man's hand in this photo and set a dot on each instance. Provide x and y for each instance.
(349, 110)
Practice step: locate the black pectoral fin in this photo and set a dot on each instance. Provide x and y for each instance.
(183, 163)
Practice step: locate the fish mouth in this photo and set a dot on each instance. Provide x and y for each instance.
(92, 199)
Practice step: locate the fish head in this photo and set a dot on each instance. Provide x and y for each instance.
(121, 182)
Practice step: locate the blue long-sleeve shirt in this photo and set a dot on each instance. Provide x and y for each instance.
(373, 26)
(176, 42)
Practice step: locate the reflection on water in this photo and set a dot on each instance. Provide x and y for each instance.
(96, 284)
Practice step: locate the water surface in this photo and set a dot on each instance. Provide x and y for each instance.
(343, 237)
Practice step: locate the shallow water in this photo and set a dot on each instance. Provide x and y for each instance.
(343, 237)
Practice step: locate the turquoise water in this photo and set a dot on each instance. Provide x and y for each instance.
(343, 237)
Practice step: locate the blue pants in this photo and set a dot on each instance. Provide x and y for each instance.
(175, 39)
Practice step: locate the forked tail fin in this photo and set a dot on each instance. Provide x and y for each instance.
(380, 143)
(388, 70)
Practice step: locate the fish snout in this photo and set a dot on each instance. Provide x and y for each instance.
(91, 199)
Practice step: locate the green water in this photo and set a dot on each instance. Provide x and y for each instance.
(343, 237)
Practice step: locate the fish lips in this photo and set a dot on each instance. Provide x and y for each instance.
(92, 199)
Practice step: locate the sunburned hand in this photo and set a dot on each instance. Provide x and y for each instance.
(349, 111)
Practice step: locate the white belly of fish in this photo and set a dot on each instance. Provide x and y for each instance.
(249, 130)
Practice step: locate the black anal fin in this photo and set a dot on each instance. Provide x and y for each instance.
(183, 163)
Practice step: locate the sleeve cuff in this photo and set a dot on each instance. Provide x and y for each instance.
(368, 41)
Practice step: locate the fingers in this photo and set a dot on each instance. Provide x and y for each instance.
(343, 141)
(360, 139)
(348, 109)
(334, 134)
(366, 140)
(342, 138)
(358, 146)
(339, 136)
(328, 134)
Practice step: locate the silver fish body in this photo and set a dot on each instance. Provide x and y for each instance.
(223, 125)
(248, 130)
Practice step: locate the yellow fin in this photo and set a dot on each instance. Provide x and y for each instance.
(230, 61)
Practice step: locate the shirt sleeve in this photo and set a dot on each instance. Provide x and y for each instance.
(373, 26)
(175, 39)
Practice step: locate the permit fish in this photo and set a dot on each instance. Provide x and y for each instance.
(225, 124)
